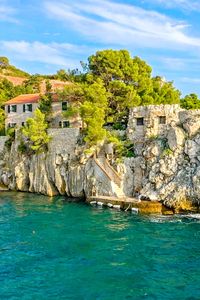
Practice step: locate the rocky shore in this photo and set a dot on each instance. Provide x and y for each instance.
(165, 169)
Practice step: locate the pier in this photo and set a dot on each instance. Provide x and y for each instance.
(132, 204)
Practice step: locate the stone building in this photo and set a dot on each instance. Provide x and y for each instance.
(22, 107)
(151, 121)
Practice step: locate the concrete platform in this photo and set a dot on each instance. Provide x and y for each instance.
(143, 207)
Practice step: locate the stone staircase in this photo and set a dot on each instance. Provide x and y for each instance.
(110, 172)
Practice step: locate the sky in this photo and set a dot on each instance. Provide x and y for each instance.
(43, 36)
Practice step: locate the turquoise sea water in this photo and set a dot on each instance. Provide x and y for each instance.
(50, 249)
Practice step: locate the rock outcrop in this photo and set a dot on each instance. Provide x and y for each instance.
(64, 169)
(166, 166)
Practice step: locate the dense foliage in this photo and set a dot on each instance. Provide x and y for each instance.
(111, 83)
(36, 132)
(190, 102)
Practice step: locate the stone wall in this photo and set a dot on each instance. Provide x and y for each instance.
(63, 140)
(155, 120)
(3, 139)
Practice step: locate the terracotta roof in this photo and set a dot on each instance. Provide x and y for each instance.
(28, 98)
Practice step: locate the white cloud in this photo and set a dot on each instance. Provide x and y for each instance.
(7, 13)
(180, 4)
(53, 53)
(121, 24)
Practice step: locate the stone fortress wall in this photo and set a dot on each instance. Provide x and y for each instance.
(151, 121)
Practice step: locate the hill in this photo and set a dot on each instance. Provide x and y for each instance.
(9, 70)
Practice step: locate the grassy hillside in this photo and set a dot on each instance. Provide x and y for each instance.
(7, 69)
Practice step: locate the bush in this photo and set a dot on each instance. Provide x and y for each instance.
(22, 147)
(167, 152)
(36, 132)
(11, 134)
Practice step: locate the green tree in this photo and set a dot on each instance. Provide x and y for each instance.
(33, 83)
(62, 75)
(4, 61)
(45, 105)
(35, 131)
(48, 86)
(93, 111)
(127, 79)
(164, 92)
(190, 102)
(2, 121)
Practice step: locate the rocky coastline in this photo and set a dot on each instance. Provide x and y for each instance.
(165, 169)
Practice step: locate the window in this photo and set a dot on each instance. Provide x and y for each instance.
(66, 124)
(11, 125)
(12, 108)
(162, 120)
(27, 107)
(64, 106)
(140, 121)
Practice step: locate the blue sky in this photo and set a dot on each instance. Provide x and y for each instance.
(42, 36)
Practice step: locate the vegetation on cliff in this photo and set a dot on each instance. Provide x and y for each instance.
(35, 131)
(111, 83)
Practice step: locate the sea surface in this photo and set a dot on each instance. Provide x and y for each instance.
(53, 249)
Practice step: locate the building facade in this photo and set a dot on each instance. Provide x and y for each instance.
(22, 107)
(151, 121)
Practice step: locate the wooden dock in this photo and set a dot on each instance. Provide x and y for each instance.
(133, 204)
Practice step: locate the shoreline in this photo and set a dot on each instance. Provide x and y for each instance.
(124, 204)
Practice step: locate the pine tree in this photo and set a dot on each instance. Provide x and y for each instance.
(36, 132)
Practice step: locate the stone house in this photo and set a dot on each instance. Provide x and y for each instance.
(151, 121)
(22, 107)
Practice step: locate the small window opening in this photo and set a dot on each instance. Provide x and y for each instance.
(162, 120)
(14, 108)
(64, 106)
(29, 107)
(12, 125)
(66, 124)
(140, 121)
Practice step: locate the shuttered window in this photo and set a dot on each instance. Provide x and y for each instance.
(14, 108)
(64, 106)
(29, 107)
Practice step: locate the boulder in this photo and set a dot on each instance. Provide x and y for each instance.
(192, 149)
(175, 137)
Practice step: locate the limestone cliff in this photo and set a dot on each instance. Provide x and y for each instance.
(166, 166)
(64, 169)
